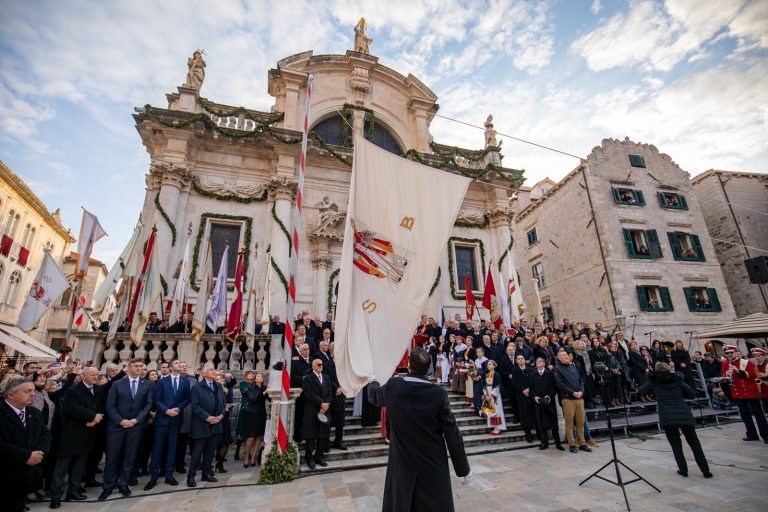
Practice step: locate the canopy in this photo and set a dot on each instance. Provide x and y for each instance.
(750, 326)
(25, 350)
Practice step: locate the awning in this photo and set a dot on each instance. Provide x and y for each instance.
(25, 350)
(750, 326)
(27, 339)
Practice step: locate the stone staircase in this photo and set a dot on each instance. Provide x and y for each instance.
(366, 448)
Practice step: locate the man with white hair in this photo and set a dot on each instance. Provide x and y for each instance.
(208, 402)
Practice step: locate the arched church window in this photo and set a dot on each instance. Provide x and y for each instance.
(332, 130)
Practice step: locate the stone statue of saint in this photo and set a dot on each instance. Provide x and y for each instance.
(196, 73)
(490, 133)
(361, 41)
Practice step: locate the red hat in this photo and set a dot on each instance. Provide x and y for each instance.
(759, 351)
(730, 348)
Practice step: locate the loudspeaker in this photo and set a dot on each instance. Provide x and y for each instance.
(757, 268)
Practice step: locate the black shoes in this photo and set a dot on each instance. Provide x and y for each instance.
(75, 497)
(708, 475)
(585, 448)
(55, 504)
(528, 438)
(191, 482)
(125, 491)
(543, 447)
(750, 438)
(340, 446)
(104, 495)
(171, 481)
(220, 467)
(322, 463)
(682, 473)
(311, 464)
(209, 478)
(573, 449)
(560, 447)
(150, 485)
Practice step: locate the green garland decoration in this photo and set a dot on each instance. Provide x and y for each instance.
(229, 197)
(477, 225)
(166, 218)
(454, 292)
(341, 158)
(506, 251)
(437, 281)
(165, 285)
(279, 467)
(330, 289)
(280, 275)
(472, 156)
(283, 229)
(274, 118)
(346, 136)
(449, 164)
(199, 241)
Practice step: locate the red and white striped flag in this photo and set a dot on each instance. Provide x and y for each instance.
(78, 310)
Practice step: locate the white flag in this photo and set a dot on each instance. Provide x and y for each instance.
(150, 298)
(123, 299)
(537, 311)
(250, 310)
(203, 294)
(107, 287)
(266, 303)
(393, 241)
(517, 306)
(219, 299)
(90, 232)
(504, 302)
(46, 289)
(180, 292)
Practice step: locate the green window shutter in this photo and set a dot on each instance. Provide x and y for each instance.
(630, 243)
(641, 298)
(639, 197)
(666, 300)
(713, 300)
(674, 242)
(697, 247)
(616, 197)
(654, 247)
(690, 298)
(682, 201)
(660, 196)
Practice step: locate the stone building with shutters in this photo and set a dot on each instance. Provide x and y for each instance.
(622, 239)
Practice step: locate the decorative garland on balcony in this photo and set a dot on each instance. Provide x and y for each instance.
(478, 225)
(330, 289)
(229, 197)
(240, 110)
(280, 275)
(454, 292)
(470, 155)
(167, 219)
(506, 251)
(283, 229)
(437, 281)
(199, 240)
(449, 163)
(346, 139)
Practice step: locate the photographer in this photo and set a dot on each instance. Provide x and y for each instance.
(675, 415)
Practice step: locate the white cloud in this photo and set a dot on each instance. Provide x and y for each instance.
(596, 6)
(751, 26)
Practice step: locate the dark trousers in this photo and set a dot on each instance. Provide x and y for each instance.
(14, 486)
(673, 436)
(477, 394)
(203, 448)
(181, 449)
(544, 436)
(165, 436)
(749, 407)
(60, 471)
(122, 448)
(298, 424)
(316, 448)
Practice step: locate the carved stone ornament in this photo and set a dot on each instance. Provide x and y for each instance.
(281, 187)
(196, 72)
(359, 80)
(240, 190)
(331, 223)
(362, 42)
(473, 217)
(490, 133)
(169, 172)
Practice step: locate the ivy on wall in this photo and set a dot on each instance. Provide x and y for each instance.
(437, 281)
(454, 289)
(330, 289)
(166, 218)
(165, 285)
(199, 240)
(283, 229)
(280, 275)
(506, 251)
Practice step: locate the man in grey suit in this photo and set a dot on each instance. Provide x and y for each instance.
(207, 404)
(128, 405)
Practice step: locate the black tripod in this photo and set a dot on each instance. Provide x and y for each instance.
(615, 461)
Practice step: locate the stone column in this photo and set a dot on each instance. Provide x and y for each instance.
(499, 215)
(170, 188)
(282, 191)
(321, 262)
(179, 218)
(189, 352)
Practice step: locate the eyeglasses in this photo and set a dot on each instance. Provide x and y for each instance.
(729, 353)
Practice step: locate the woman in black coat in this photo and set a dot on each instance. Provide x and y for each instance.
(621, 378)
(638, 368)
(521, 381)
(599, 354)
(682, 361)
(675, 415)
(658, 353)
(255, 422)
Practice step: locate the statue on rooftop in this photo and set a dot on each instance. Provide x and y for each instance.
(490, 133)
(361, 41)
(196, 73)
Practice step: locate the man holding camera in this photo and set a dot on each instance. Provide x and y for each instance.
(745, 392)
(570, 382)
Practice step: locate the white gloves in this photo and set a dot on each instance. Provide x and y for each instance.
(371, 379)
(468, 479)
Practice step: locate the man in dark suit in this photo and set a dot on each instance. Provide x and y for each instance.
(24, 441)
(317, 391)
(171, 398)
(506, 368)
(128, 405)
(83, 410)
(300, 366)
(329, 324)
(113, 374)
(338, 403)
(208, 402)
(276, 326)
(421, 424)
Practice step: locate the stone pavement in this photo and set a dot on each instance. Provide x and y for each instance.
(522, 480)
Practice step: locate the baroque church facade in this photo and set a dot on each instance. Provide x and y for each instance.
(228, 175)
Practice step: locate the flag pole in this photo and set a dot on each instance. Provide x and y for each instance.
(76, 297)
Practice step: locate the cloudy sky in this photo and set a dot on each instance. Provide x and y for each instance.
(690, 76)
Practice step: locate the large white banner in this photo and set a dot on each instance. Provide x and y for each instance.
(46, 289)
(395, 233)
(90, 233)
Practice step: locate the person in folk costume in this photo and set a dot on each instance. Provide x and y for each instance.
(544, 392)
(761, 366)
(459, 369)
(521, 380)
(442, 361)
(478, 385)
(745, 392)
(492, 385)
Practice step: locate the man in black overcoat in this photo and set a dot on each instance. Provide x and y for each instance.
(544, 392)
(421, 424)
(317, 390)
(24, 441)
(83, 410)
(506, 367)
(338, 404)
(300, 366)
(207, 403)
(521, 380)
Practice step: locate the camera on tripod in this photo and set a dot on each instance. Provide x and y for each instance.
(601, 369)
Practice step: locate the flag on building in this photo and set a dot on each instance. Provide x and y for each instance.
(266, 304)
(90, 233)
(504, 299)
(251, 320)
(236, 309)
(126, 264)
(219, 299)
(516, 304)
(78, 310)
(490, 297)
(537, 311)
(150, 295)
(203, 295)
(46, 289)
(180, 291)
(393, 240)
(123, 301)
(469, 299)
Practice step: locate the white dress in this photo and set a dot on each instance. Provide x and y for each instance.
(445, 367)
(500, 410)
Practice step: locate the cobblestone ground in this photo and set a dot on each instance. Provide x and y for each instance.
(523, 480)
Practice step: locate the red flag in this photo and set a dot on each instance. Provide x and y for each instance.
(143, 275)
(236, 311)
(491, 300)
(470, 301)
(78, 313)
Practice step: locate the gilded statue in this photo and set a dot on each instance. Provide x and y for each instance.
(196, 73)
(362, 42)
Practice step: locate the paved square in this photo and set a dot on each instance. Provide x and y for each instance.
(521, 480)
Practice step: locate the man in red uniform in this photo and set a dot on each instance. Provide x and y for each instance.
(745, 392)
(761, 364)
